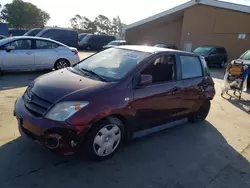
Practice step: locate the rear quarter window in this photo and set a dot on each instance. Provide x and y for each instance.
(190, 66)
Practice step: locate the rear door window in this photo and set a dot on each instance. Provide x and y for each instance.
(42, 44)
(205, 67)
(191, 67)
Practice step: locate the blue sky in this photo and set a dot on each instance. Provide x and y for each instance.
(129, 10)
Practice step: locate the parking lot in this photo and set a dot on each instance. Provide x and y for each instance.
(209, 154)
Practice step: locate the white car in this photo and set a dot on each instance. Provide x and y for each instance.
(25, 52)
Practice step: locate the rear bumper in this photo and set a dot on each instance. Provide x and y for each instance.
(58, 137)
(75, 60)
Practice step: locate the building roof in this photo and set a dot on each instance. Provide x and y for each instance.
(182, 7)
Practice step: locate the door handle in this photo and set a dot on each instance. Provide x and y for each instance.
(28, 53)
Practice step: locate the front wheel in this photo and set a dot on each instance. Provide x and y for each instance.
(202, 113)
(104, 139)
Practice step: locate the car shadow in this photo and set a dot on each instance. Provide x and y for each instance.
(217, 72)
(243, 104)
(191, 155)
(19, 79)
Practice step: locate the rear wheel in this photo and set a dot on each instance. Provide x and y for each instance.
(202, 113)
(61, 63)
(104, 139)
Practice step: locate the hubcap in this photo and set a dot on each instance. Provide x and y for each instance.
(107, 140)
(62, 64)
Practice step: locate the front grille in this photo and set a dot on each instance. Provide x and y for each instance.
(35, 104)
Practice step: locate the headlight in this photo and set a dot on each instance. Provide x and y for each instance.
(64, 110)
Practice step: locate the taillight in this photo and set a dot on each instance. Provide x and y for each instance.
(75, 52)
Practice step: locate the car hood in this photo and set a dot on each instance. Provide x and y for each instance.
(64, 84)
(245, 62)
(108, 46)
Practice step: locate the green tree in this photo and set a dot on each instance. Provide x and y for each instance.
(117, 26)
(83, 24)
(19, 14)
(103, 25)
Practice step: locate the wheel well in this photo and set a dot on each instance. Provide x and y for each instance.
(61, 59)
(118, 116)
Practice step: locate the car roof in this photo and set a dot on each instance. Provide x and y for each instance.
(59, 28)
(213, 46)
(36, 29)
(119, 41)
(38, 38)
(151, 49)
(82, 33)
(90, 34)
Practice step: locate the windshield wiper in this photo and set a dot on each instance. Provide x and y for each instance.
(84, 71)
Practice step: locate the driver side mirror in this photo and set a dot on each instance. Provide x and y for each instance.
(146, 79)
(9, 48)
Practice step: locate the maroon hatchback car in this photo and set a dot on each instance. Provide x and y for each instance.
(114, 96)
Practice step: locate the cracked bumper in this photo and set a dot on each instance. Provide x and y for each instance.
(45, 132)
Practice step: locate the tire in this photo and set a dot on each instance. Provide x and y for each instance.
(202, 113)
(61, 63)
(104, 139)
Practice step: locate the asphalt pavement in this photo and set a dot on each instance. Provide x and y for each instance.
(210, 154)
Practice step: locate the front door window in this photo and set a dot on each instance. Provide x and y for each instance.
(20, 44)
(157, 103)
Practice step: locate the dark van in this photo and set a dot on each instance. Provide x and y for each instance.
(65, 36)
(16, 32)
(95, 42)
(214, 55)
(4, 29)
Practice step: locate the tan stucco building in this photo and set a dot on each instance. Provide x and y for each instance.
(195, 23)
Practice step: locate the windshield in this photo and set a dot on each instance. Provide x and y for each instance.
(114, 63)
(203, 49)
(114, 43)
(39, 34)
(160, 45)
(81, 36)
(85, 39)
(32, 32)
(245, 56)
